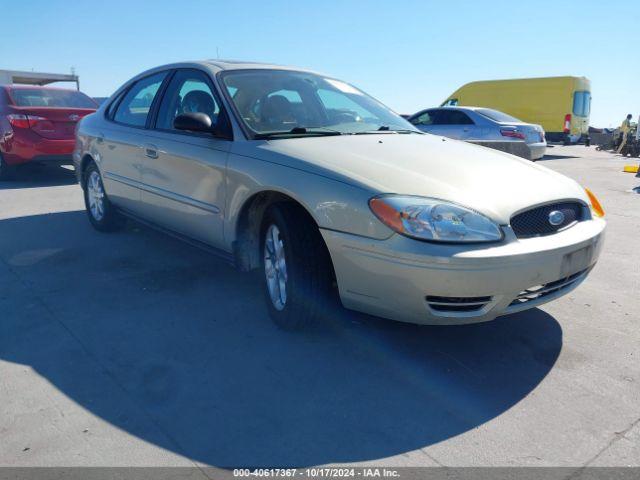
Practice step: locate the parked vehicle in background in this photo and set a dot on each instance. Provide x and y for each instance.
(37, 124)
(561, 105)
(316, 184)
(476, 123)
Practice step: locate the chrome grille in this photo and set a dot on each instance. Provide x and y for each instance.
(535, 222)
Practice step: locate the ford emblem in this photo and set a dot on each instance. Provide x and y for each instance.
(556, 218)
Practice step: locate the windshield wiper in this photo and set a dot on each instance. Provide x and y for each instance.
(387, 129)
(407, 130)
(299, 131)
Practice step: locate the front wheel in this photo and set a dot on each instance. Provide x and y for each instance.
(296, 268)
(102, 214)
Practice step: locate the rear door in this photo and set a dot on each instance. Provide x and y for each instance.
(121, 142)
(453, 124)
(581, 112)
(184, 172)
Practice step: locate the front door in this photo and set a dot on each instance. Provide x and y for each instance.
(183, 173)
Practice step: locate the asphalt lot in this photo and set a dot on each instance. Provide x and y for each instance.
(134, 349)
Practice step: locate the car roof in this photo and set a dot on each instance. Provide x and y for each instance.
(243, 65)
(215, 66)
(419, 112)
(220, 65)
(461, 107)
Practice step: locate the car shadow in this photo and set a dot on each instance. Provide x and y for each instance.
(555, 157)
(169, 344)
(39, 175)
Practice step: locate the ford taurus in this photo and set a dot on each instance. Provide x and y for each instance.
(315, 183)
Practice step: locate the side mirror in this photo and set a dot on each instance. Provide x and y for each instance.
(193, 121)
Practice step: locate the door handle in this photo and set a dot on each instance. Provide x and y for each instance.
(150, 150)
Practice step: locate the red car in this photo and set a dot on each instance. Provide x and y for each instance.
(38, 124)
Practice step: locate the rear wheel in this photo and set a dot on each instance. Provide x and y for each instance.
(296, 268)
(102, 214)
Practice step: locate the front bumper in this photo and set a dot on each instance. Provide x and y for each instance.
(394, 278)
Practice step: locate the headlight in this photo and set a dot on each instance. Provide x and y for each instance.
(596, 208)
(432, 219)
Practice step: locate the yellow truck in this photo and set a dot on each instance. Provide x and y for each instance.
(560, 104)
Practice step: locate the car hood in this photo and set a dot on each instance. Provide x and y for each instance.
(494, 183)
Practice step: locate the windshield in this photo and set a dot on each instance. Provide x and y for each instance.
(49, 97)
(497, 116)
(288, 102)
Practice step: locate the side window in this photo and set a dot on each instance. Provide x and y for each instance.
(427, 118)
(453, 117)
(188, 91)
(460, 118)
(452, 102)
(134, 108)
(439, 117)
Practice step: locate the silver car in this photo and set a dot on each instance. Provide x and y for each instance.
(476, 123)
(316, 184)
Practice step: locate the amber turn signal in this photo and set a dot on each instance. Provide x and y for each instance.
(596, 207)
(387, 214)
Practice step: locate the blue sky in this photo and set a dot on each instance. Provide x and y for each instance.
(408, 54)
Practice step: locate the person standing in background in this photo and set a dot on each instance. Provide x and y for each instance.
(624, 129)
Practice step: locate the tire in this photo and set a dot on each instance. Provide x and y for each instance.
(101, 212)
(6, 171)
(287, 229)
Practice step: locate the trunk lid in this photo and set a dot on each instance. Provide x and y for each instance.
(51, 122)
(533, 133)
(50, 112)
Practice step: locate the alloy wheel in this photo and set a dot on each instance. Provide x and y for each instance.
(95, 195)
(275, 267)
